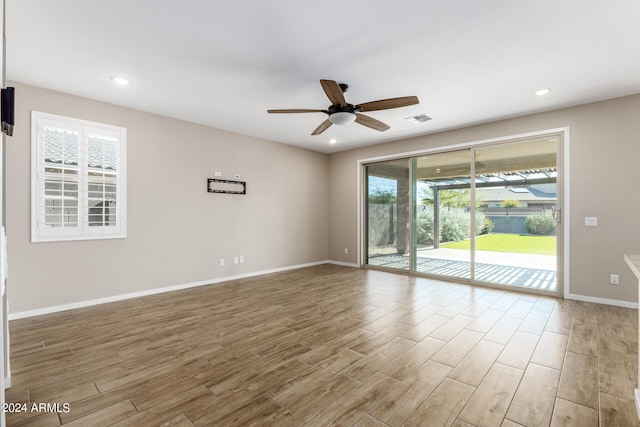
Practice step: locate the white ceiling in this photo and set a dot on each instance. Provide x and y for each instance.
(224, 63)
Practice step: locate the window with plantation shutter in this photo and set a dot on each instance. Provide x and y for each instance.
(78, 179)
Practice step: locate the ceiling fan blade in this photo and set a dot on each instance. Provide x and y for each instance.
(297, 111)
(333, 91)
(323, 126)
(370, 122)
(386, 104)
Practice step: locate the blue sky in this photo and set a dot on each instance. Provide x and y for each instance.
(377, 183)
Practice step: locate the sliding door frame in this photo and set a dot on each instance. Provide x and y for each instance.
(562, 180)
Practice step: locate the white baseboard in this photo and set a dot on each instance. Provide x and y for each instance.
(344, 264)
(615, 302)
(7, 382)
(88, 303)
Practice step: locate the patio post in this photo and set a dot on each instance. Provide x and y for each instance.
(436, 217)
(402, 215)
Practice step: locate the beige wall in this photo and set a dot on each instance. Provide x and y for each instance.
(604, 182)
(176, 230)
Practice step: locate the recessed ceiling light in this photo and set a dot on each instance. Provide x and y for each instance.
(542, 92)
(333, 141)
(120, 80)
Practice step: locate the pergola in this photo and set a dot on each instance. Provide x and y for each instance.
(510, 167)
(523, 178)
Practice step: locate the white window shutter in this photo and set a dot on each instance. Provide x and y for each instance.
(78, 179)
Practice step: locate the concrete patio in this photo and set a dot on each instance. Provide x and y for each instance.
(521, 270)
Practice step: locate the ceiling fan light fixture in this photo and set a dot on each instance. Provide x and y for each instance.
(342, 118)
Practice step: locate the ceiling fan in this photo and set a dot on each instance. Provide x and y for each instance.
(342, 113)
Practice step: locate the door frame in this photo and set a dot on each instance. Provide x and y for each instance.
(563, 185)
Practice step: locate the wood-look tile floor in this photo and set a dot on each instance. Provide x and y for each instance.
(329, 345)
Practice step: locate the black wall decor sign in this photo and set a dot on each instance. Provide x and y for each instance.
(225, 186)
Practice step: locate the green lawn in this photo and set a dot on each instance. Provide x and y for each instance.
(519, 243)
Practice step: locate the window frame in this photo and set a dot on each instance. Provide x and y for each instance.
(40, 232)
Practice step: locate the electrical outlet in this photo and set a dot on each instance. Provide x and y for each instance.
(241, 259)
(614, 279)
(346, 251)
(221, 262)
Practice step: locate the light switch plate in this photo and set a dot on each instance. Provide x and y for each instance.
(591, 221)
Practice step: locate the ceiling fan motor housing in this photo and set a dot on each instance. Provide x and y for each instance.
(349, 108)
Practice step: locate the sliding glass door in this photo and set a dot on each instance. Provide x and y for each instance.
(441, 213)
(517, 199)
(388, 214)
(487, 214)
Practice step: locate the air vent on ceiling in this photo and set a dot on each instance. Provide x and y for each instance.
(420, 118)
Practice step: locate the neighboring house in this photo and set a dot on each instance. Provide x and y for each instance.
(542, 195)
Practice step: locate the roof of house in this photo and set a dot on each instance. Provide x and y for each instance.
(61, 147)
(522, 194)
